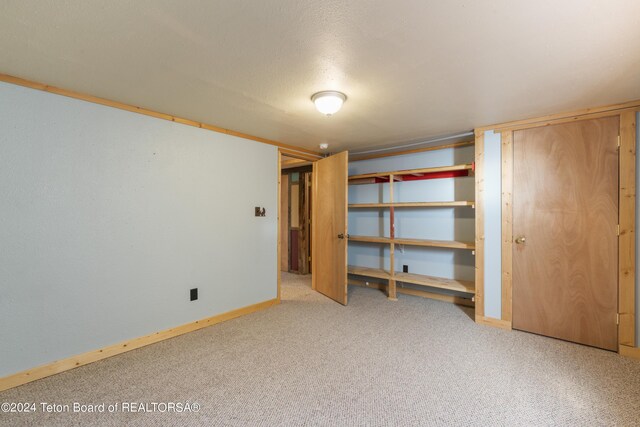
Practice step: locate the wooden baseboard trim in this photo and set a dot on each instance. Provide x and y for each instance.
(627, 351)
(416, 292)
(495, 323)
(113, 350)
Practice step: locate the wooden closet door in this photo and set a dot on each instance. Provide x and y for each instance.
(565, 205)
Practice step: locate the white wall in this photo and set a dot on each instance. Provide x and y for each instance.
(438, 223)
(492, 225)
(108, 218)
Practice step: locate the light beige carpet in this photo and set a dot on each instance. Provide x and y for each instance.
(310, 361)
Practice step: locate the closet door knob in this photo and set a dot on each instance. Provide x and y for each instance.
(520, 240)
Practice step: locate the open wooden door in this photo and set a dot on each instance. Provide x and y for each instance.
(329, 223)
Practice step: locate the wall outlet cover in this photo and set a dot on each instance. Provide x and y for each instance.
(193, 294)
(405, 268)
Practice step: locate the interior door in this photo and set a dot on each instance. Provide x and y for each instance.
(565, 216)
(329, 222)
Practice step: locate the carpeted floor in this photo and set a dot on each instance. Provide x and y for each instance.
(310, 361)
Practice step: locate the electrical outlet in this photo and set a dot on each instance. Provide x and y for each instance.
(193, 294)
(405, 268)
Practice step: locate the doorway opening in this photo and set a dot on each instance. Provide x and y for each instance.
(295, 219)
(312, 221)
(295, 211)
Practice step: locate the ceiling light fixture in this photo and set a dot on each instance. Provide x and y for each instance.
(324, 146)
(328, 102)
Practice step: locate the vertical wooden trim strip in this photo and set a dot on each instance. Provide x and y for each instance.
(479, 202)
(393, 296)
(314, 210)
(392, 233)
(278, 219)
(346, 227)
(626, 241)
(392, 225)
(507, 224)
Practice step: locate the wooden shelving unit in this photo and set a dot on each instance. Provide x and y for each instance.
(465, 287)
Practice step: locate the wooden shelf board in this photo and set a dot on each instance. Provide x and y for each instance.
(458, 299)
(453, 244)
(436, 282)
(369, 239)
(464, 286)
(413, 204)
(365, 176)
(369, 272)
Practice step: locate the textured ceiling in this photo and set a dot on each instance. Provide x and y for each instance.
(412, 69)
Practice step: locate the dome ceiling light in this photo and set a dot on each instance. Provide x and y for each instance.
(328, 102)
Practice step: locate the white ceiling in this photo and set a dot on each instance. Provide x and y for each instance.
(412, 69)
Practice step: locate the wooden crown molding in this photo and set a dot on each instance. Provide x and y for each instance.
(121, 106)
(559, 117)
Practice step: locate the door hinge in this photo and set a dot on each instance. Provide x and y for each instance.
(618, 230)
(618, 142)
(617, 318)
